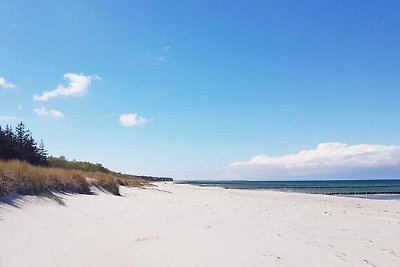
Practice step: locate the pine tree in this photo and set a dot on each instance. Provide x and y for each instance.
(8, 147)
(21, 145)
(22, 138)
(42, 153)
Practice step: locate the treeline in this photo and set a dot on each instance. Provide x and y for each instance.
(19, 144)
(63, 163)
(26, 169)
(147, 178)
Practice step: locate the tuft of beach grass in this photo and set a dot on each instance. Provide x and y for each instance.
(25, 179)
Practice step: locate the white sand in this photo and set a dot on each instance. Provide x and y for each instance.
(194, 226)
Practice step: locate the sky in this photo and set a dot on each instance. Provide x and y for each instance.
(208, 89)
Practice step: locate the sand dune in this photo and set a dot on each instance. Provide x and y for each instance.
(184, 225)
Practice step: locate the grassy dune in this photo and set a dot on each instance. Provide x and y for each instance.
(22, 178)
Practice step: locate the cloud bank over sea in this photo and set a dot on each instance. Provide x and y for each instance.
(327, 160)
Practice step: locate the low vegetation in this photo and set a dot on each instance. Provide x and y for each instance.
(63, 163)
(20, 177)
(26, 169)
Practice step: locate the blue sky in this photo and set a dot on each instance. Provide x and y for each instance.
(212, 84)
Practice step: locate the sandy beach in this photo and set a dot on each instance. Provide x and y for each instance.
(185, 225)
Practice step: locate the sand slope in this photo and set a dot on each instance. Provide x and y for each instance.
(184, 225)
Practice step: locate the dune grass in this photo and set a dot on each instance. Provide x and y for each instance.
(25, 179)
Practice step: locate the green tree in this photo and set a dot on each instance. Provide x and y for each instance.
(21, 145)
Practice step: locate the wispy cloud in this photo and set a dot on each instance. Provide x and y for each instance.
(6, 84)
(160, 56)
(56, 114)
(77, 86)
(155, 57)
(327, 160)
(42, 111)
(131, 120)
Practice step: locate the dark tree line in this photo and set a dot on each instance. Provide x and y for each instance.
(19, 144)
(62, 162)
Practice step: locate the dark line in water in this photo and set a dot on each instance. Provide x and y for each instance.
(327, 187)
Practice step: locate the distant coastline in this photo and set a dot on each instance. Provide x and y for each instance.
(149, 178)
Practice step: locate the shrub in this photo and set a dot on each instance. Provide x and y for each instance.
(23, 178)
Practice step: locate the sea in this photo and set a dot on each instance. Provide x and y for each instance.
(371, 189)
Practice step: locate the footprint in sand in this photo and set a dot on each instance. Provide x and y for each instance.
(313, 243)
(391, 252)
(142, 239)
(274, 256)
(369, 263)
(342, 256)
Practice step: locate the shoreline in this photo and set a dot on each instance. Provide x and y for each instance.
(324, 187)
(186, 225)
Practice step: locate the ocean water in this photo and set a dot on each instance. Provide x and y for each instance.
(373, 189)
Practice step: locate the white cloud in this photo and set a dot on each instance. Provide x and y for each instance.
(5, 84)
(8, 118)
(131, 120)
(56, 113)
(158, 58)
(77, 86)
(42, 111)
(336, 160)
